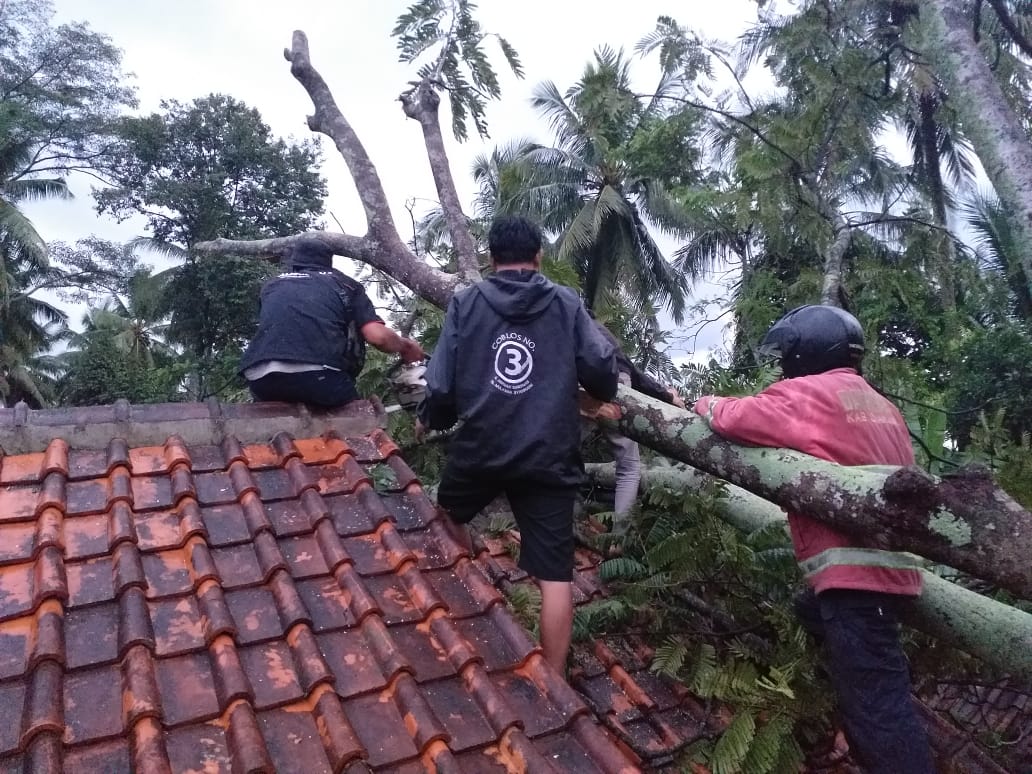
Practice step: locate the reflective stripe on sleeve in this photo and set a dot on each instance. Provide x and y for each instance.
(859, 557)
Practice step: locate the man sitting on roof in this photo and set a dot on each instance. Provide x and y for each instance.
(313, 326)
(512, 351)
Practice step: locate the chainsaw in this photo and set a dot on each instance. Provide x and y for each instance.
(408, 381)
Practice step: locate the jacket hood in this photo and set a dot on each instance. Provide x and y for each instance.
(518, 296)
(311, 253)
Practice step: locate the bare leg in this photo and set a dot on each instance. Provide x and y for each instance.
(556, 622)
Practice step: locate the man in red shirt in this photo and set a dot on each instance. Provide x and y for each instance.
(823, 407)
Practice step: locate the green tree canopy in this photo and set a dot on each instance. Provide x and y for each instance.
(204, 169)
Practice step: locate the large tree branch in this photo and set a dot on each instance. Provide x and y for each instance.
(962, 520)
(999, 634)
(393, 259)
(330, 121)
(422, 103)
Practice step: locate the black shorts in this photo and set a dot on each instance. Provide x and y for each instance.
(544, 515)
(326, 388)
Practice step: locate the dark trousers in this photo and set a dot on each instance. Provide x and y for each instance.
(326, 388)
(860, 634)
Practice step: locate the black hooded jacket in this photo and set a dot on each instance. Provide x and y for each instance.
(512, 351)
(312, 314)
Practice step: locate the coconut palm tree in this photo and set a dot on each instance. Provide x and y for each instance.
(588, 190)
(28, 329)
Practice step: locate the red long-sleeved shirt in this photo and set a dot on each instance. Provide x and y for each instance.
(836, 416)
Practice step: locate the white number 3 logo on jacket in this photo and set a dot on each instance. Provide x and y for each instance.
(513, 363)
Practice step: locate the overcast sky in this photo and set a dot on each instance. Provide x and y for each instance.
(191, 48)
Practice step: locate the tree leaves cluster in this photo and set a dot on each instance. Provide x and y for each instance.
(460, 65)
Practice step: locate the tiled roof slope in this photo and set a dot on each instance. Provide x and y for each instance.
(658, 717)
(247, 600)
(655, 716)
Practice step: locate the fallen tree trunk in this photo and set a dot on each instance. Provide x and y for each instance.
(998, 634)
(963, 521)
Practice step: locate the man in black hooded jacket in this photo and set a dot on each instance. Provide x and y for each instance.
(313, 326)
(511, 354)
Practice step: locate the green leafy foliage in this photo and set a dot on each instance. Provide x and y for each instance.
(198, 171)
(460, 65)
(719, 607)
(212, 168)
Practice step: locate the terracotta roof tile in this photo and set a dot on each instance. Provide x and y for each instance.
(238, 598)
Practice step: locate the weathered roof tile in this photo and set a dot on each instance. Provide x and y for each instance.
(180, 602)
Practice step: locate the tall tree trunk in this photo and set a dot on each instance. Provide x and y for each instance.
(998, 634)
(963, 521)
(993, 127)
(422, 103)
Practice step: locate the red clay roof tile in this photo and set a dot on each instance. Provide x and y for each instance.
(255, 604)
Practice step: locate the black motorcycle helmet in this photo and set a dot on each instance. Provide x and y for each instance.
(813, 339)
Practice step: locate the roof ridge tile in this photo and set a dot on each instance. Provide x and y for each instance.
(420, 719)
(55, 458)
(245, 740)
(48, 643)
(134, 623)
(311, 666)
(117, 454)
(150, 755)
(389, 657)
(45, 754)
(140, 697)
(232, 450)
(44, 706)
(216, 616)
(120, 525)
(231, 682)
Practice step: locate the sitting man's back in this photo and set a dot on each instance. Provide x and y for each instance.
(313, 326)
(513, 349)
